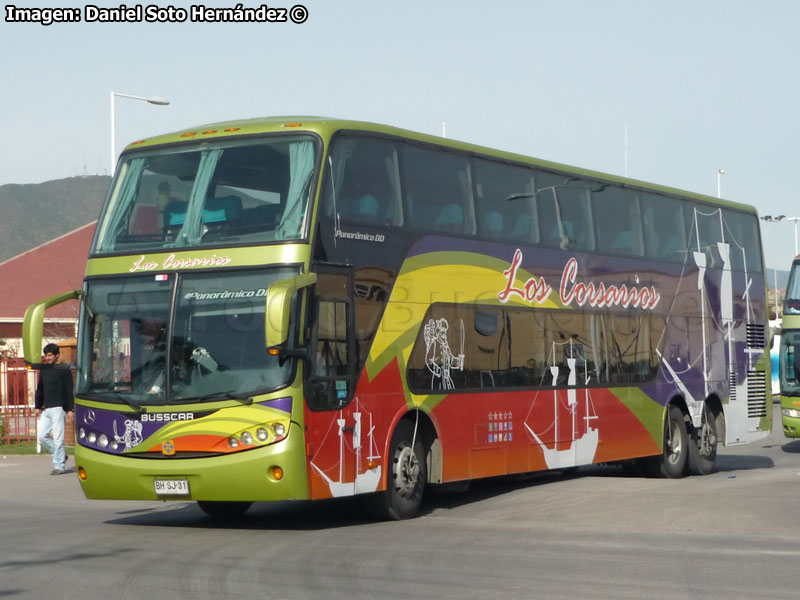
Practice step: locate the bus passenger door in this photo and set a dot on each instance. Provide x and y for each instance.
(333, 433)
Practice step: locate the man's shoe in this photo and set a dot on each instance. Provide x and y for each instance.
(57, 472)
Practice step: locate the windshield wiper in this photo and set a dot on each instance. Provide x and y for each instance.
(115, 396)
(244, 398)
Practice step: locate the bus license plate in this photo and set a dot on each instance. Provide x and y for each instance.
(172, 487)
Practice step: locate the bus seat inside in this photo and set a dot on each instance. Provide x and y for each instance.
(522, 228)
(175, 213)
(451, 215)
(222, 209)
(493, 223)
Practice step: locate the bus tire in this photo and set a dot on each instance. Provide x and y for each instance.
(703, 445)
(223, 510)
(405, 479)
(676, 444)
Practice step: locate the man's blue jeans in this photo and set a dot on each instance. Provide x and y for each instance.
(54, 420)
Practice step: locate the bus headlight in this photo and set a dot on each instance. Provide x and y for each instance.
(233, 442)
(102, 441)
(92, 437)
(279, 429)
(247, 438)
(262, 434)
(791, 412)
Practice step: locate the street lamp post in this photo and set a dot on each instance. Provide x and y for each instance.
(720, 173)
(795, 219)
(152, 100)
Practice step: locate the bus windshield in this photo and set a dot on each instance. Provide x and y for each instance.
(254, 191)
(168, 338)
(792, 301)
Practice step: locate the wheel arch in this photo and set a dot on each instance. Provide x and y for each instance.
(428, 434)
(679, 401)
(715, 404)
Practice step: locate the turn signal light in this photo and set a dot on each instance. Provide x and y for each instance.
(277, 473)
(82, 473)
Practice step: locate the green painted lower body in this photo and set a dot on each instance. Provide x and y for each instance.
(791, 425)
(241, 476)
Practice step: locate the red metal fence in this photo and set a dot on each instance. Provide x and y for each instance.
(17, 385)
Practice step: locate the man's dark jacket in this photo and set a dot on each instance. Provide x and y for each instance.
(55, 388)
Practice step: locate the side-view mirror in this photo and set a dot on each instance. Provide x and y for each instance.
(33, 324)
(279, 304)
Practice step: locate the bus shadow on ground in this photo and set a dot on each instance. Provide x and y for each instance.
(743, 462)
(792, 447)
(289, 515)
(307, 515)
(304, 515)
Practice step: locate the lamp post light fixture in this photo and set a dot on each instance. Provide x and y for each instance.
(771, 219)
(720, 173)
(152, 100)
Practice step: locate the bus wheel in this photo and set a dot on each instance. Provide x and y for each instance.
(406, 479)
(703, 445)
(223, 510)
(673, 462)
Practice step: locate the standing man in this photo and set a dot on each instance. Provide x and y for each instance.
(54, 403)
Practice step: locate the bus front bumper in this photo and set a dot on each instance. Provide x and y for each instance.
(248, 475)
(790, 417)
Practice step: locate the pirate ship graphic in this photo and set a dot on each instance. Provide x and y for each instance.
(366, 480)
(584, 437)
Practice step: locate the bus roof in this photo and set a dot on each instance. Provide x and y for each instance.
(326, 127)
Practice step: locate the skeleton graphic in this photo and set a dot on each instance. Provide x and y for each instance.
(439, 359)
(132, 436)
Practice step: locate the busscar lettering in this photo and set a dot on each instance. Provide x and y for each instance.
(43, 16)
(577, 293)
(166, 417)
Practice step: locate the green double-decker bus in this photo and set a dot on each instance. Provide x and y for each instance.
(789, 359)
(301, 308)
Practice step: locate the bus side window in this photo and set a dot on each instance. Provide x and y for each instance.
(617, 222)
(366, 177)
(573, 200)
(437, 187)
(707, 223)
(564, 216)
(741, 233)
(665, 230)
(504, 200)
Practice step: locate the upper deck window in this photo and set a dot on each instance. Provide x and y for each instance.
(209, 195)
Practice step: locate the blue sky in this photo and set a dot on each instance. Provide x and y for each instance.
(700, 85)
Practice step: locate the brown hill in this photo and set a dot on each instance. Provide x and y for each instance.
(33, 214)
